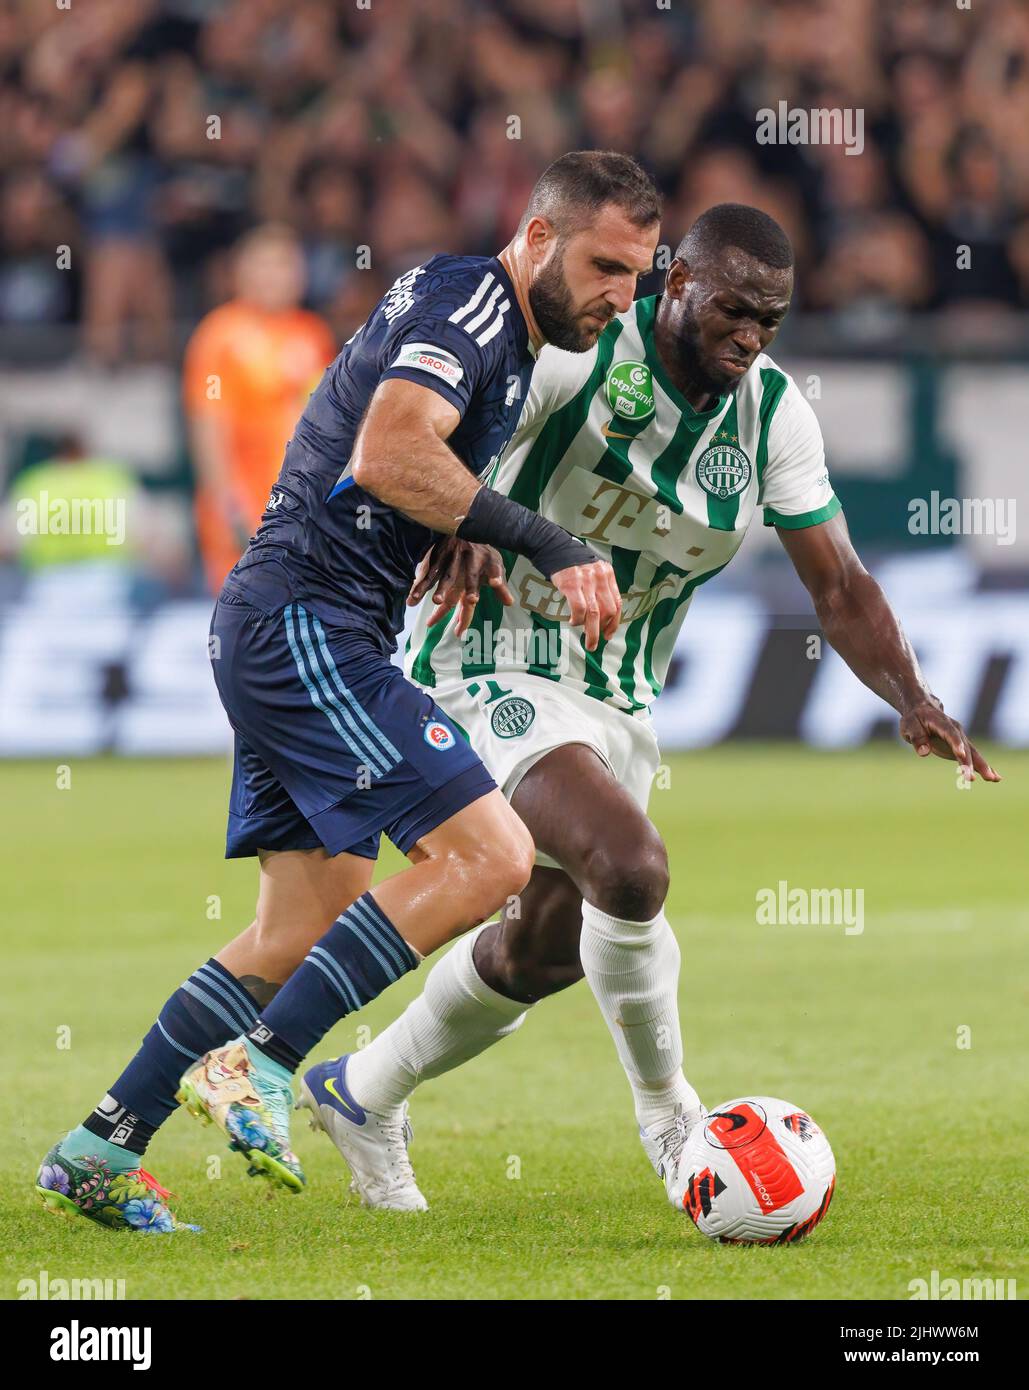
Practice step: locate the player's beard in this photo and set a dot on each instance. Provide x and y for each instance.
(554, 310)
(694, 367)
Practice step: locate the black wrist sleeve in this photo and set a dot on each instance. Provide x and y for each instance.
(494, 519)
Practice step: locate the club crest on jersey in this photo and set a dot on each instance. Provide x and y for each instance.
(512, 717)
(630, 390)
(723, 470)
(437, 735)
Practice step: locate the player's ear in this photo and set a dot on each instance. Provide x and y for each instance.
(540, 236)
(677, 278)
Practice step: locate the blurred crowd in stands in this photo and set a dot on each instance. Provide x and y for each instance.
(147, 136)
(227, 187)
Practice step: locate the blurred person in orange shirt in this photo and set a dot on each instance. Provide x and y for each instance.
(249, 368)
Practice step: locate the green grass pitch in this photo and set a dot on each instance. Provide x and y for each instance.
(529, 1157)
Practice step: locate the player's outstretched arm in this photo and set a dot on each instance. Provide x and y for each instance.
(401, 456)
(860, 624)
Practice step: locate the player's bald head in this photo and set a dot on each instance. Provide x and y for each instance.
(735, 224)
(575, 188)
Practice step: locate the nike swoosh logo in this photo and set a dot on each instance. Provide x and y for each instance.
(609, 433)
(330, 1086)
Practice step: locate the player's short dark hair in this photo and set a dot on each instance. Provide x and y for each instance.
(737, 224)
(575, 187)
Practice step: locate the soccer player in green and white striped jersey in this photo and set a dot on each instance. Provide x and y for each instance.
(609, 447)
(657, 448)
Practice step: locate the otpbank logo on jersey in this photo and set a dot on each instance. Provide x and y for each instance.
(630, 390)
(723, 470)
(423, 357)
(437, 735)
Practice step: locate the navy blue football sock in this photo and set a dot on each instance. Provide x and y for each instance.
(207, 1009)
(360, 955)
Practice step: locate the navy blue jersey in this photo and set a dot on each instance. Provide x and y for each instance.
(453, 325)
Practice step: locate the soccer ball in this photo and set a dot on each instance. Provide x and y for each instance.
(758, 1172)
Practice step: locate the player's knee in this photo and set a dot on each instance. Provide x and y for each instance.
(493, 872)
(513, 858)
(629, 879)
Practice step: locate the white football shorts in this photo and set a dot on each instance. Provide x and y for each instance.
(513, 719)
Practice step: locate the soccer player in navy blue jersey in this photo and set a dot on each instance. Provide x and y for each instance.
(333, 746)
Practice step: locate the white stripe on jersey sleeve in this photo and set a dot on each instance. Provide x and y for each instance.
(473, 303)
(495, 326)
(484, 313)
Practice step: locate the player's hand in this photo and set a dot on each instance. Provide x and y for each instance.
(459, 569)
(929, 730)
(594, 602)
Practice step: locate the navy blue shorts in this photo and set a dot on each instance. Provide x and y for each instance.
(333, 745)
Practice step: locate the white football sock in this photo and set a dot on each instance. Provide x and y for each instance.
(633, 970)
(456, 1016)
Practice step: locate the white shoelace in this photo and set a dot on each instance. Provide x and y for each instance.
(672, 1139)
(398, 1134)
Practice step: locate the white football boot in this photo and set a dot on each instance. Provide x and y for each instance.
(663, 1144)
(374, 1146)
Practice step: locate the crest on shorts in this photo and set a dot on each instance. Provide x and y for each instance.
(512, 717)
(437, 735)
(723, 470)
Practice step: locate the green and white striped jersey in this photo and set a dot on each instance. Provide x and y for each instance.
(610, 450)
